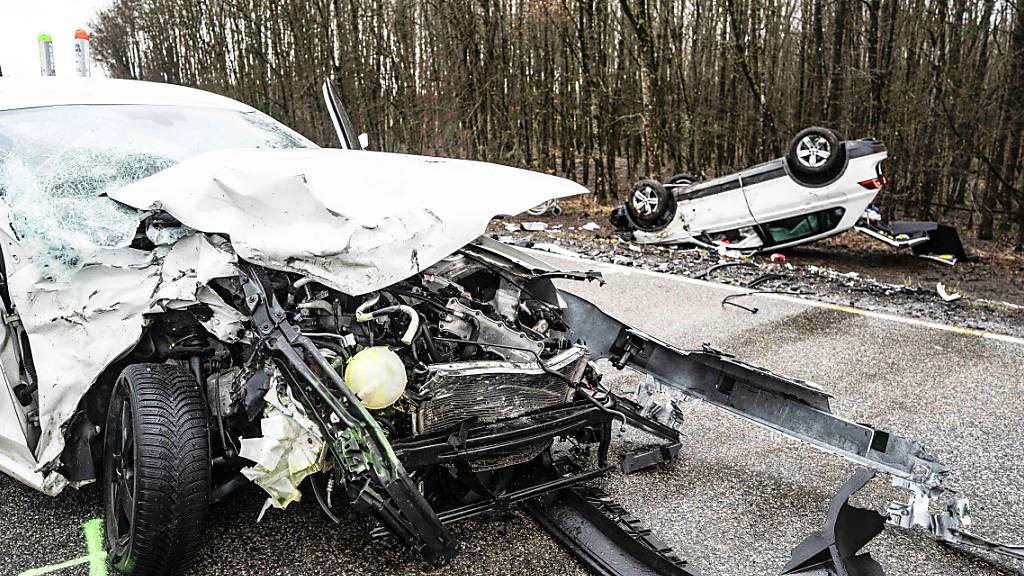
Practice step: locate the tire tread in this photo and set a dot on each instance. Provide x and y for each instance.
(172, 468)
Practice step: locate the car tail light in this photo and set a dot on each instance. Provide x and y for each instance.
(874, 183)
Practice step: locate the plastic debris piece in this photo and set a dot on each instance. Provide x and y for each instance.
(946, 296)
(534, 226)
(776, 257)
(947, 259)
(725, 252)
(591, 226)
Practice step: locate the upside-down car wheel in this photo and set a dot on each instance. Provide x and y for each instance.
(650, 206)
(816, 155)
(156, 470)
(681, 180)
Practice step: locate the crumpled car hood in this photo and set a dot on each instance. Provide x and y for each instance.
(356, 221)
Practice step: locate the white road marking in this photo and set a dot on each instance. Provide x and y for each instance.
(617, 268)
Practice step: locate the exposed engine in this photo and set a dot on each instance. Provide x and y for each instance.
(473, 339)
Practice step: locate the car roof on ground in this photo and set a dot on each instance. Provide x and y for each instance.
(17, 93)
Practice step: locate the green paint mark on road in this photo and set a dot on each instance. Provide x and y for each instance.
(95, 555)
(94, 547)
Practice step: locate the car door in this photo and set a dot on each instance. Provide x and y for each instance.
(339, 117)
(714, 206)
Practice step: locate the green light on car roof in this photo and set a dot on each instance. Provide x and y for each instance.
(45, 37)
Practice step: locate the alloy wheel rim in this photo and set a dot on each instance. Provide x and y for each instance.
(813, 151)
(122, 485)
(645, 201)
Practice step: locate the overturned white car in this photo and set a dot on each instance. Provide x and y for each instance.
(195, 297)
(822, 187)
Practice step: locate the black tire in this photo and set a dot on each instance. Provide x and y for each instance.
(817, 153)
(155, 504)
(681, 180)
(650, 206)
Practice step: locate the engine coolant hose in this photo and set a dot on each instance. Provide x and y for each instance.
(364, 314)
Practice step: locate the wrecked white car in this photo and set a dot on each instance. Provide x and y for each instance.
(822, 187)
(196, 297)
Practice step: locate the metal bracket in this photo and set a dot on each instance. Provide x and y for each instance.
(793, 407)
(949, 524)
(833, 551)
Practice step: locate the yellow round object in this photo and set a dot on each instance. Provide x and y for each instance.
(376, 376)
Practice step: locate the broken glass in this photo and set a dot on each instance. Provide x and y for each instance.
(57, 165)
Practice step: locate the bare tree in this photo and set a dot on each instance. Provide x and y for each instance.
(609, 90)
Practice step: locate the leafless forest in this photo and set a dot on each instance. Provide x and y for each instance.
(608, 91)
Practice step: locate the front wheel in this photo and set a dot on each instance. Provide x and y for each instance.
(156, 470)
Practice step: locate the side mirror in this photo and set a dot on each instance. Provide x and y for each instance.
(364, 140)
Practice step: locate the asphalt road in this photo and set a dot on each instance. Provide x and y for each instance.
(738, 498)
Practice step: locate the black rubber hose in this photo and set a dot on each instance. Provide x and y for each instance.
(704, 273)
(435, 357)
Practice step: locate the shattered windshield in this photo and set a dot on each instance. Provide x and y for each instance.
(57, 164)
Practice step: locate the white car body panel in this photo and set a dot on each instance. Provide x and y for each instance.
(79, 326)
(724, 211)
(764, 198)
(356, 221)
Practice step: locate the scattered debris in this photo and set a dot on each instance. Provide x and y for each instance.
(511, 227)
(591, 226)
(946, 296)
(822, 283)
(723, 251)
(533, 226)
(764, 278)
(728, 300)
(947, 259)
(777, 257)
